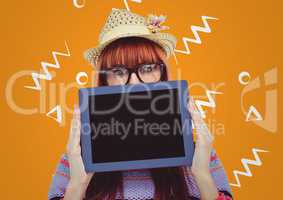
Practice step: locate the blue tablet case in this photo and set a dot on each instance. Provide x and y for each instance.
(96, 149)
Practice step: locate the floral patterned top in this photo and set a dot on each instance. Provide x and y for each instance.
(138, 185)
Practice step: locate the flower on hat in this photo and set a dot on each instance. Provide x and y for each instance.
(154, 23)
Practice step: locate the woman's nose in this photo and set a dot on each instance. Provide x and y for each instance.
(134, 79)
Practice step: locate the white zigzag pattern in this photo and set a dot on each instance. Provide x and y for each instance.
(210, 103)
(127, 5)
(46, 75)
(246, 163)
(197, 39)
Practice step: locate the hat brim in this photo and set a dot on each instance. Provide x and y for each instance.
(165, 40)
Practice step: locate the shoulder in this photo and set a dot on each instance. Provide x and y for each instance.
(63, 166)
(60, 178)
(217, 172)
(214, 160)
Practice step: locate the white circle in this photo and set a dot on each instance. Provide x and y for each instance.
(241, 77)
(78, 77)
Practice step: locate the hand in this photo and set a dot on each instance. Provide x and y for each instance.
(78, 176)
(204, 140)
(203, 147)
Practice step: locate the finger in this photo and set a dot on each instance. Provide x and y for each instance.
(196, 116)
(75, 128)
(199, 123)
(193, 109)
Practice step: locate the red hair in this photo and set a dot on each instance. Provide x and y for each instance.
(131, 51)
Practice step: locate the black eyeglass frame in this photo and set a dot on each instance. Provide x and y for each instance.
(132, 70)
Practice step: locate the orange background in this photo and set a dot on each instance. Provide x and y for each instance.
(246, 37)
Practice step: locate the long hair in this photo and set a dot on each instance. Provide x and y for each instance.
(169, 182)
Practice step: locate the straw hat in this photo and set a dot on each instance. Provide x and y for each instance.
(123, 23)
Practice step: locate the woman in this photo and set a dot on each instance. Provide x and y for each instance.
(132, 50)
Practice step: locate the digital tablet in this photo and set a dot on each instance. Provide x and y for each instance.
(135, 126)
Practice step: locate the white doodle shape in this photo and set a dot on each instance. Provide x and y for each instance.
(195, 30)
(253, 110)
(241, 77)
(210, 103)
(127, 5)
(77, 5)
(270, 116)
(246, 163)
(47, 75)
(58, 111)
(79, 76)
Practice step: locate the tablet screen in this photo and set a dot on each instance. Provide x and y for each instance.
(135, 126)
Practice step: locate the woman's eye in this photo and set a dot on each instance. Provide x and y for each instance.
(147, 68)
(118, 72)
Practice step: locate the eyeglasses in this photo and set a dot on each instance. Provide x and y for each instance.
(121, 74)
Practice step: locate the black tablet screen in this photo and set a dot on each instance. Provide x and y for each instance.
(136, 126)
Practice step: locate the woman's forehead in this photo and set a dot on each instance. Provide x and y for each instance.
(132, 53)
